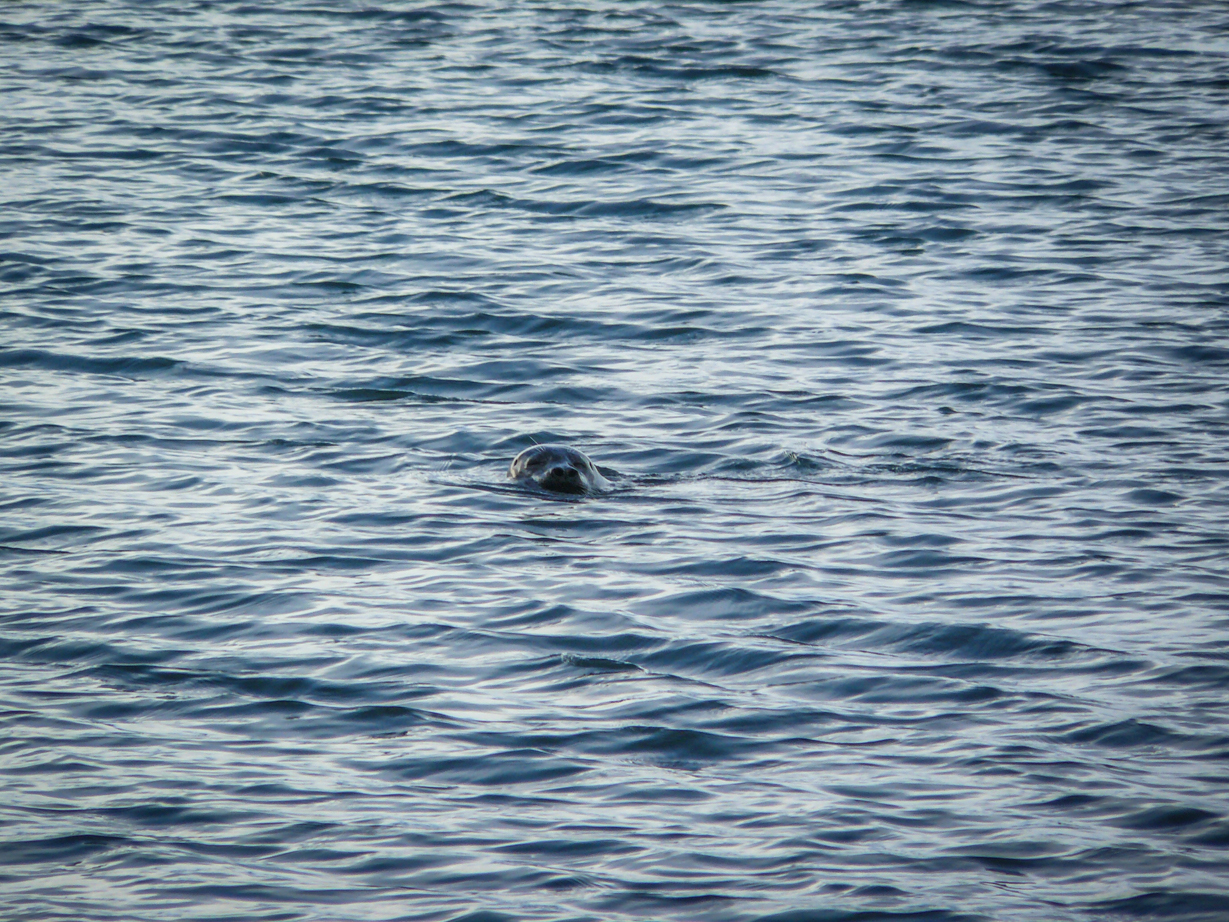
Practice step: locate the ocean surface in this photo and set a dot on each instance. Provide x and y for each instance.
(901, 330)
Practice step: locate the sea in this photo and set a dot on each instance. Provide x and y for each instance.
(899, 328)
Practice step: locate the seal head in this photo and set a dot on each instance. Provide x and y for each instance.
(558, 469)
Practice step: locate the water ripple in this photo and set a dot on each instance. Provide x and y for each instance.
(898, 327)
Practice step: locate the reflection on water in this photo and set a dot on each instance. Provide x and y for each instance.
(899, 329)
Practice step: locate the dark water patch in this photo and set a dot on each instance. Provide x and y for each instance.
(1190, 906)
(977, 643)
(62, 536)
(169, 815)
(493, 770)
(647, 208)
(1166, 818)
(55, 362)
(599, 664)
(62, 849)
(871, 915)
(1202, 676)
(739, 567)
(441, 332)
(287, 690)
(1215, 837)
(1127, 734)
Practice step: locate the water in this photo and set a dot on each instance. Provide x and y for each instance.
(899, 327)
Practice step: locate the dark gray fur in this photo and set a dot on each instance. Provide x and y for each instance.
(559, 469)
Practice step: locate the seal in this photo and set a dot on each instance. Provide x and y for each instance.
(559, 469)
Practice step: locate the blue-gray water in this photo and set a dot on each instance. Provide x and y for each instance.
(900, 327)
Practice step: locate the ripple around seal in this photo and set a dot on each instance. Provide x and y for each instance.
(898, 328)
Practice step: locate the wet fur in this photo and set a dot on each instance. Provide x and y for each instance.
(559, 469)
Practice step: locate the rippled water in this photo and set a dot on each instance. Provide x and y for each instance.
(899, 327)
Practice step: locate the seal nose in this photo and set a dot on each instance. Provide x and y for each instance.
(563, 479)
